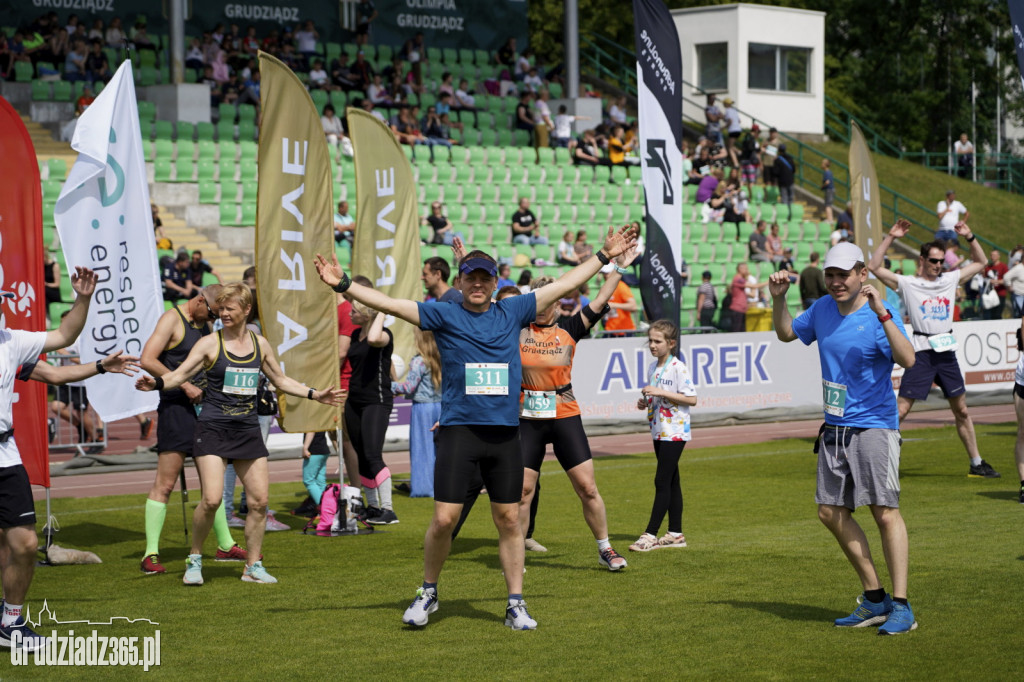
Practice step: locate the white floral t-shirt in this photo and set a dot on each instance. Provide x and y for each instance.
(670, 421)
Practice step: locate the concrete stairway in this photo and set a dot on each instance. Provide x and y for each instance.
(228, 266)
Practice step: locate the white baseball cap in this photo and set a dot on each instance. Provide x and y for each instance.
(844, 256)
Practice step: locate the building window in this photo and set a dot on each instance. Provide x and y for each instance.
(713, 66)
(778, 67)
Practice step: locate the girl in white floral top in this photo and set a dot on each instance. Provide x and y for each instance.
(667, 398)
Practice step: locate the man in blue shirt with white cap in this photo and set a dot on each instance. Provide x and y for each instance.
(859, 445)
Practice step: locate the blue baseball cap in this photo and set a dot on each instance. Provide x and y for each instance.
(478, 263)
(8, 294)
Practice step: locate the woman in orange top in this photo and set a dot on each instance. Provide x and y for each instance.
(549, 412)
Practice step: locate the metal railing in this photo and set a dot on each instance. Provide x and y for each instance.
(607, 58)
(73, 425)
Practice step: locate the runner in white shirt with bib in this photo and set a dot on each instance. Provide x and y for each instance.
(929, 299)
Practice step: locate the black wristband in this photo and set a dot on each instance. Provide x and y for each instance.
(593, 317)
(605, 260)
(309, 395)
(100, 369)
(159, 381)
(971, 238)
(342, 286)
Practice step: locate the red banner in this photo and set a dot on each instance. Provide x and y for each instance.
(21, 271)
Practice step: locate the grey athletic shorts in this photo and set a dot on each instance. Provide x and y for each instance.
(858, 467)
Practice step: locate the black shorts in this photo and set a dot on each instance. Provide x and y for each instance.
(175, 426)
(1018, 390)
(229, 442)
(566, 435)
(16, 505)
(931, 367)
(463, 450)
(735, 135)
(74, 396)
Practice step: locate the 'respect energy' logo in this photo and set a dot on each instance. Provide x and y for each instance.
(87, 650)
(938, 308)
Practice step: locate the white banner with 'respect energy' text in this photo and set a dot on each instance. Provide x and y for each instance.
(105, 224)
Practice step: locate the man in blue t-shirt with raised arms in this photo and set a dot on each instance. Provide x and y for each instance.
(859, 445)
(481, 375)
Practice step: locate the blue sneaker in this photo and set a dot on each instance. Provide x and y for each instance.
(257, 574)
(421, 607)
(901, 620)
(26, 638)
(517, 617)
(193, 570)
(868, 613)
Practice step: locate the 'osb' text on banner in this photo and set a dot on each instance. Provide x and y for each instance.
(387, 242)
(294, 223)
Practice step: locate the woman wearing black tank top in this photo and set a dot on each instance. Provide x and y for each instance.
(228, 428)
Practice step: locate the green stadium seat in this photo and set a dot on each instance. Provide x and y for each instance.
(51, 189)
(205, 170)
(190, 76)
(555, 89)
(431, 192)
(184, 169)
(909, 266)
(481, 57)
(602, 174)
(385, 53)
(434, 54)
(207, 150)
(146, 130)
(228, 189)
(226, 168)
(186, 131)
(332, 51)
(225, 130)
(162, 169)
(147, 58)
(248, 170)
(23, 72)
(227, 151)
(208, 193)
(320, 99)
(229, 213)
(204, 131)
(249, 191)
(689, 298)
(465, 56)
(58, 169)
(42, 91)
(246, 130)
(147, 76)
(163, 148)
(521, 138)
(186, 148)
(248, 213)
(489, 138)
(476, 213)
(163, 130)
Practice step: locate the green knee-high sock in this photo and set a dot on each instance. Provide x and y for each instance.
(221, 528)
(156, 512)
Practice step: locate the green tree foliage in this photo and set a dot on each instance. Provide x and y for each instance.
(904, 67)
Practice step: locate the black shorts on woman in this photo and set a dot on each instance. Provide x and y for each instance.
(228, 426)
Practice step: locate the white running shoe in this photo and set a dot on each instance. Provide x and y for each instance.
(645, 543)
(534, 546)
(669, 540)
(422, 606)
(193, 570)
(517, 617)
(273, 524)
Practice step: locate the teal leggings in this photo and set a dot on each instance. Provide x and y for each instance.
(314, 475)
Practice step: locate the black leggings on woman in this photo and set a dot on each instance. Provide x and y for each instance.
(367, 427)
(668, 495)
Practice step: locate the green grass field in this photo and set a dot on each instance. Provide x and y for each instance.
(753, 596)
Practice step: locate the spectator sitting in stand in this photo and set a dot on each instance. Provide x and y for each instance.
(504, 276)
(177, 282)
(344, 225)
(198, 267)
(362, 72)
(525, 228)
(566, 251)
(318, 78)
(378, 92)
(444, 232)
(443, 109)
(524, 119)
(842, 233)
(532, 81)
(96, 66)
(586, 152)
(332, 125)
(341, 73)
(84, 100)
(581, 247)
(74, 63)
(506, 55)
(758, 244)
(617, 150)
(367, 106)
(464, 98)
(737, 210)
(707, 185)
(617, 111)
(522, 65)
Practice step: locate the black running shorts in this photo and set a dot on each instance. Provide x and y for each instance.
(230, 442)
(566, 435)
(494, 449)
(175, 426)
(16, 505)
